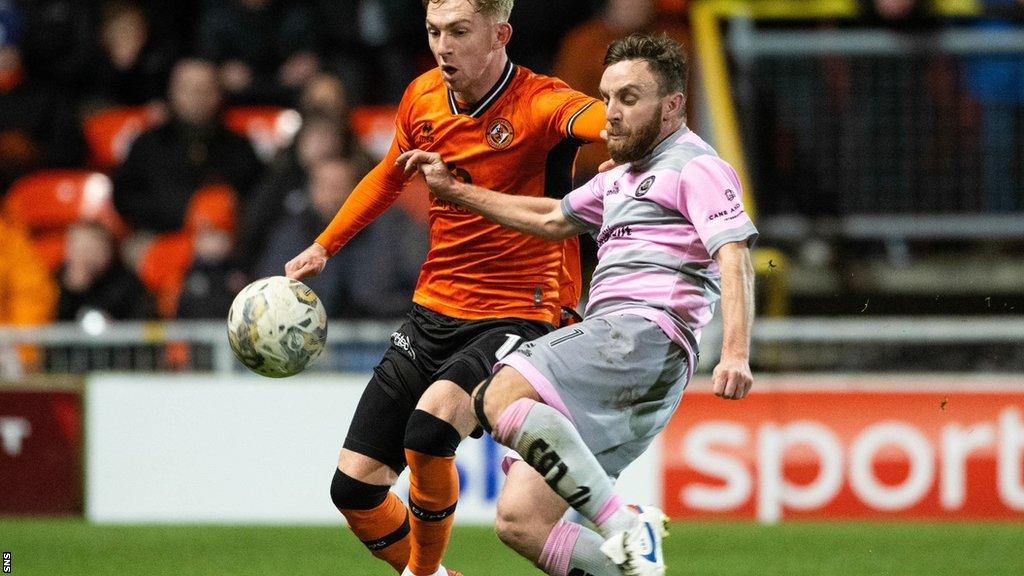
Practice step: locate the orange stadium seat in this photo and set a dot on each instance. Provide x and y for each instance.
(269, 128)
(375, 127)
(48, 202)
(110, 133)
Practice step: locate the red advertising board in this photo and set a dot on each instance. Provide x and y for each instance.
(840, 448)
(40, 453)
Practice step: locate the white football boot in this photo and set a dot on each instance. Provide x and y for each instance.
(637, 552)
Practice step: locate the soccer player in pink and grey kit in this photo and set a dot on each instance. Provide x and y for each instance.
(582, 402)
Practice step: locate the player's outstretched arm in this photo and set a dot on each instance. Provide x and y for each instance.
(732, 378)
(309, 262)
(538, 216)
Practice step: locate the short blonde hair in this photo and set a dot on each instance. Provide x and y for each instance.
(500, 9)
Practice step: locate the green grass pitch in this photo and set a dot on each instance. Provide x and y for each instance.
(75, 548)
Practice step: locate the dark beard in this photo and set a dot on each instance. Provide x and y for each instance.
(638, 144)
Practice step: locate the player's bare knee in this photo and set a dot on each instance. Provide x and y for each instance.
(511, 527)
(447, 401)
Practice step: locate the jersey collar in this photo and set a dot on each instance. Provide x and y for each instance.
(492, 95)
(642, 163)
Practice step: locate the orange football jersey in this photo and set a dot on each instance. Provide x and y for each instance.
(521, 138)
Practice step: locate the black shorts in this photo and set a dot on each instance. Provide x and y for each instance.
(427, 348)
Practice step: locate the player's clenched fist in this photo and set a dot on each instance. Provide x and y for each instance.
(435, 172)
(732, 379)
(308, 263)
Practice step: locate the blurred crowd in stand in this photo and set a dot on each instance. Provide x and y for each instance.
(157, 156)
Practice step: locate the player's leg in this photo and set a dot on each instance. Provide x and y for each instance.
(611, 381)
(549, 443)
(368, 467)
(530, 521)
(443, 417)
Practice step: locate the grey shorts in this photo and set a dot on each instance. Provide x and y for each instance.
(617, 378)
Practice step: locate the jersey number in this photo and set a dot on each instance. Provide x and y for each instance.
(511, 343)
(460, 174)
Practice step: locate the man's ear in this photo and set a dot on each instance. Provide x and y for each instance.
(504, 33)
(673, 106)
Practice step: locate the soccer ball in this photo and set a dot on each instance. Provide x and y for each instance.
(277, 326)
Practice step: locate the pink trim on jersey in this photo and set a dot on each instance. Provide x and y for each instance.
(607, 509)
(558, 548)
(511, 420)
(540, 383)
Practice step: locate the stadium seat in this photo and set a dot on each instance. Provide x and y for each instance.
(375, 127)
(110, 133)
(48, 202)
(269, 128)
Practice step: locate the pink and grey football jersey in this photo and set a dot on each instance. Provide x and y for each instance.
(658, 223)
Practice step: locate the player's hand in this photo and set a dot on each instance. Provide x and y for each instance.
(732, 379)
(435, 172)
(309, 263)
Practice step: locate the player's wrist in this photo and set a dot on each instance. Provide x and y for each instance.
(318, 249)
(736, 357)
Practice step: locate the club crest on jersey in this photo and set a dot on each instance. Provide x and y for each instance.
(500, 134)
(644, 186)
(425, 133)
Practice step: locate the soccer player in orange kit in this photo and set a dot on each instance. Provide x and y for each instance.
(483, 288)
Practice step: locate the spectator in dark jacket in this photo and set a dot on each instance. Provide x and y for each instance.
(211, 281)
(131, 65)
(167, 164)
(92, 277)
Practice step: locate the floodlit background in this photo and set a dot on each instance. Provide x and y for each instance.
(156, 157)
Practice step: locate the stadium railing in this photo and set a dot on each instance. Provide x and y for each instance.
(883, 144)
(879, 344)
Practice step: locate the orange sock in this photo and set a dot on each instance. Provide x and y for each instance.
(433, 494)
(384, 530)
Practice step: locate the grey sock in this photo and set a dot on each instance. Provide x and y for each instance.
(573, 550)
(587, 557)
